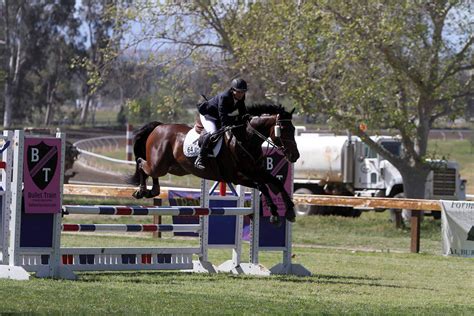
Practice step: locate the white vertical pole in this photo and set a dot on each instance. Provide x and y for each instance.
(7, 158)
(255, 227)
(11, 268)
(204, 220)
(203, 265)
(253, 267)
(16, 195)
(55, 259)
(129, 144)
(239, 224)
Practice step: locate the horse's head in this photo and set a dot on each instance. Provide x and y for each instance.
(278, 127)
(283, 135)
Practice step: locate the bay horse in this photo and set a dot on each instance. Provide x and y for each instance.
(158, 150)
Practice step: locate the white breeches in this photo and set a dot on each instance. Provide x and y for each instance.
(209, 125)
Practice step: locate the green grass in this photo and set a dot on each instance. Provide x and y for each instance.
(106, 115)
(359, 265)
(342, 282)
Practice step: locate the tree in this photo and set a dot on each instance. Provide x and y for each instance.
(31, 28)
(280, 44)
(194, 35)
(387, 64)
(15, 56)
(104, 31)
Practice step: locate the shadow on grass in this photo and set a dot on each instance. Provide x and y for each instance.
(156, 277)
(346, 280)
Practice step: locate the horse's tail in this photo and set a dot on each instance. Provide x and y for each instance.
(139, 149)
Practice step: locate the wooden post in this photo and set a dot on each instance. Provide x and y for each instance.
(157, 218)
(415, 231)
(398, 219)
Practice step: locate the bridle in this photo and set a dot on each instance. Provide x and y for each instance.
(277, 133)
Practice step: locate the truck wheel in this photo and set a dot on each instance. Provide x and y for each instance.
(302, 209)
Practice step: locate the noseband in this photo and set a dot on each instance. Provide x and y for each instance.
(277, 133)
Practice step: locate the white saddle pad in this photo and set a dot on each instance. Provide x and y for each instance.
(191, 147)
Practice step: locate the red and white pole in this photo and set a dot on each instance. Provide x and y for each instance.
(129, 146)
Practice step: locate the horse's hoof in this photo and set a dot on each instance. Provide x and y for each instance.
(138, 194)
(149, 194)
(290, 216)
(275, 220)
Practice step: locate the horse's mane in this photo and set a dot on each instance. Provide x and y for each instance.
(260, 109)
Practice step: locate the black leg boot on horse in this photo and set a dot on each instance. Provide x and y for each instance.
(206, 148)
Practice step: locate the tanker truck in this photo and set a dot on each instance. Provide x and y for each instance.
(342, 165)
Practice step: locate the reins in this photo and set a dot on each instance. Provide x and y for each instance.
(267, 139)
(254, 131)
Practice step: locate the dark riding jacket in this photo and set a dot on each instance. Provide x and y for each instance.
(223, 109)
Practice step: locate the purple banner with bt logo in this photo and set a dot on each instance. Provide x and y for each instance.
(278, 166)
(42, 175)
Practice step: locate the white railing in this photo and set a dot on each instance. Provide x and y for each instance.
(100, 162)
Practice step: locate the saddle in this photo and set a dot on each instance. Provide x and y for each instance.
(191, 142)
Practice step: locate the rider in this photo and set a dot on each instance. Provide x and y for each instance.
(225, 109)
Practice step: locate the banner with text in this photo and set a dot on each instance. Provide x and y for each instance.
(457, 222)
(279, 167)
(42, 175)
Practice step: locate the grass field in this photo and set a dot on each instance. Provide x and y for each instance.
(359, 265)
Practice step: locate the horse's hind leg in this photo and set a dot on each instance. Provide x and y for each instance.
(143, 192)
(155, 189)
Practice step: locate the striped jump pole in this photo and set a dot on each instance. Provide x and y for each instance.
(162, 210)
(194, 228)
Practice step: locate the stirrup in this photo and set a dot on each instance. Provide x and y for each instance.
(199, 163)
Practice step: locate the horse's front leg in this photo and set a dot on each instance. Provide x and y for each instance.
(269, 179)
(155, 189)
(275, 217)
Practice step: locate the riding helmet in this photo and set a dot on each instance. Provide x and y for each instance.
(239, 84)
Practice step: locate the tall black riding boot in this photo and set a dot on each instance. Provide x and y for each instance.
(201, 160)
